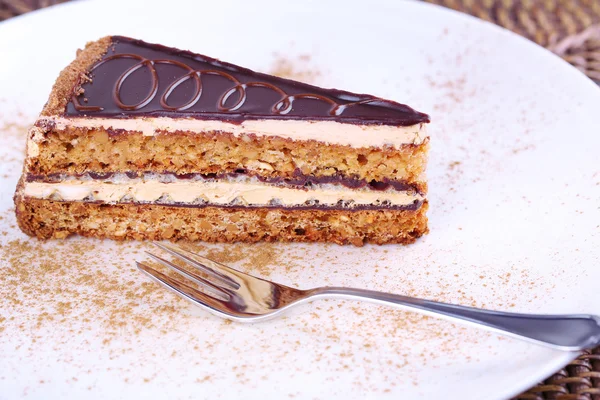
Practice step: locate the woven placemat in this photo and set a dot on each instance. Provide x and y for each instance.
(571, 29)
(12, 8)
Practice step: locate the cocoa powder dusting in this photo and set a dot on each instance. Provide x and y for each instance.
(68, 287)
(299, 68)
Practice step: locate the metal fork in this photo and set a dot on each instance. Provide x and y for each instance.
(241, 297)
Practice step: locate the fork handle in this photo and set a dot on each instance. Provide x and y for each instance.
(564, 332)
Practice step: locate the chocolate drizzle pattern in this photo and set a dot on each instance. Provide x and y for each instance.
(137, 78)
(281, 107)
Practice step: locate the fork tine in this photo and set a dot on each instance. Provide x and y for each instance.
(208, 263)
(222, 278)
(191, 276)
(183, 290)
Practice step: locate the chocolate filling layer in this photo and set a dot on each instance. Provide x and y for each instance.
(341, 205)
(135, 78)
(299, 181)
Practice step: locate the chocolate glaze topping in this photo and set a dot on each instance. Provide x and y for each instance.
(135, 78)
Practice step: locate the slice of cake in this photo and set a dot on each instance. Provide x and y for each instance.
(142, 141)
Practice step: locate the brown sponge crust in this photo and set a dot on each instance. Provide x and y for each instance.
(78, 150)
(47, 219)
(74, 75)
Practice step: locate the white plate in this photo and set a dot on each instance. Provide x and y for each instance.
(514, 192)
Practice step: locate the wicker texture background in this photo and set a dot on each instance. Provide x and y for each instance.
(12, 8)
(571, 29)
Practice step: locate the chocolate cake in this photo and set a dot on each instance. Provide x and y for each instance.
(142, 141)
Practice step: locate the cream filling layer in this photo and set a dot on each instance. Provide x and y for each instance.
(330, 132)
(220, 192)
